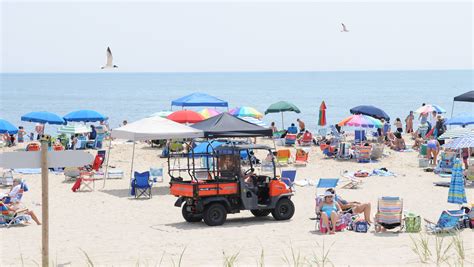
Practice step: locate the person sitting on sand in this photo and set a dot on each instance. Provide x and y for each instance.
(390, 139)
(329, 211)
(399, 142)
(353, 207)
(418, 142)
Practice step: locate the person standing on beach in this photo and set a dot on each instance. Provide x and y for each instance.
(301, 125)
(39, 128)
(21, 134)
(409, 122)
(398, 125)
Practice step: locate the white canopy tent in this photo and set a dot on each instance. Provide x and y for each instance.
(152, 128)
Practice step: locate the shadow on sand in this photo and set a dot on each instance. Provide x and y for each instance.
(125, 193)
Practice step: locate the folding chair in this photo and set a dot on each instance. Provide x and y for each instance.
(389, 213)
(283, 157)
(288, 177)
(290, 139)
(141, 184)
(306, 139)
(156, 174)
(301, 158)
(448, 221)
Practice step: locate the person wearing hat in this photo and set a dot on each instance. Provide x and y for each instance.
(329, 209)
(16, 188)
(353, 207)
(440, 128)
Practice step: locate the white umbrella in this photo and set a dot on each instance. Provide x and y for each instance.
(456, 133)
(74, 129)
(461, 142)
(254, 121)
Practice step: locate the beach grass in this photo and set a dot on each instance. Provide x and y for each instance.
(230, 260)
(295, 259)
(322, 258)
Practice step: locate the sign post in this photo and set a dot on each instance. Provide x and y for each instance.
(45, 159)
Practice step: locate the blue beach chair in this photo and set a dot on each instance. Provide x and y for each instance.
(448, 221)
(141, 185)
(288, 177)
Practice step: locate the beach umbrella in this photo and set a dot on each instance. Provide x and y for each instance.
(185, 116)
(74, 129)
(466, 141)
(85, 115)
(162, 114)
(362, 121)
(464, 119)
(430, 108)
(7, 127)
(456, 133)
(209, 112)
(322, 114)
(370, 111)
(43, 117)
(254, 121)
(246, 112)
(457, 193)
(280, 107)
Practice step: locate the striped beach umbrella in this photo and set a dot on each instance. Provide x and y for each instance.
(322, 114)
(457, 192)
(456, 133)
(254, 121)
(430, 108)
(461, 142)
(162, 114)
(209, 112)
(246, 112)
(361, 121)
(74, 129)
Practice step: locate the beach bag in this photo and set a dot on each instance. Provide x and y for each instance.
(413, 223)
(360, 226)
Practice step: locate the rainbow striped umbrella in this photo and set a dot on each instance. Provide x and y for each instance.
(362, 121)
(209, 112)
(246, 112)
(430, 108)
(322, 114)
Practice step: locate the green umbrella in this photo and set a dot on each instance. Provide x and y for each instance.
(281, 107)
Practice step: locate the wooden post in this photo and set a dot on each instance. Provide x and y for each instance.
(44, 200)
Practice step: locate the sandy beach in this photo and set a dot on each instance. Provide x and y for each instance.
(114, 229)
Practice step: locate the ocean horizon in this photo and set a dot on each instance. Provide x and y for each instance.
(134, 95)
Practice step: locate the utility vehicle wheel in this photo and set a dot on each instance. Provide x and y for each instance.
(260, 213)
(215, 214)
(284, 209)
(189, 216)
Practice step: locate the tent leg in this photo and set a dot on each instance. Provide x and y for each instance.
(452, 110)
(106, 174)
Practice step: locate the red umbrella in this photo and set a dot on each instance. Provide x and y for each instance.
(185, 116)
(322, 114)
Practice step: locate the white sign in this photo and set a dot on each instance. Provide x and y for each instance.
(32, 159)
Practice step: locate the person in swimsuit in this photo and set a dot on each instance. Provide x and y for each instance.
(409, 122)
(432, 149)
(353, 207)
(329, 211)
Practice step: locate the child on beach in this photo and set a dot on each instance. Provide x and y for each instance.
(21, 134)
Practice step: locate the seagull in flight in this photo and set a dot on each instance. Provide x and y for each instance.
(344, 29)
(109, 64)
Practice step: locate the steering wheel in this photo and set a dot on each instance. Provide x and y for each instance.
(247, 172)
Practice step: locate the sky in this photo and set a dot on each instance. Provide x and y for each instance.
(235, 36)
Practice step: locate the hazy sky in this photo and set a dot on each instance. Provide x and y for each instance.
(209, 36)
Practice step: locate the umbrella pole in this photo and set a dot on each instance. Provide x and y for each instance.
(282, 123)
(106, 174)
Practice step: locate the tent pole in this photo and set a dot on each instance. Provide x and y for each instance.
(106, 174)
(452, 110)
(133, 157)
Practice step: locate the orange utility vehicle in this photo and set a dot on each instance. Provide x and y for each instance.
(229, 184)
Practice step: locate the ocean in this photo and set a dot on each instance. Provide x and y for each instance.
(131, 96)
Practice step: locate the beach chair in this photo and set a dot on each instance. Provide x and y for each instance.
(363, 153)
(9, 218)
(301, 157)
(278, 134)
(81, 142)
(290, 139)
(344, 219)
(352, 182)
(288, 177)
(283, 157)
(377, 151)
(156, 174)
(338, 137)
(328, 150)
(33, 147)
(359, 136)
(141, 184)
(389, 213)
(7, 178)
(306, 139)
(448, 221)
(323, 183)
(343, 153)
(58, 147)
(446, 163)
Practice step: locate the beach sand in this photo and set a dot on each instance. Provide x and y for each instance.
(114, 229)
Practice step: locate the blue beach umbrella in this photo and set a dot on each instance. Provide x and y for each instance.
(370, 111)
(43, 117)
(457, 193)
(464, 119)
(85, 115)
(7, 127)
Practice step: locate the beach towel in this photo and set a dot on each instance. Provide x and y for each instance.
(28, 171)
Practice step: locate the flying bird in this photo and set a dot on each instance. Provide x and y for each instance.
(109, 64)
(344, 29)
